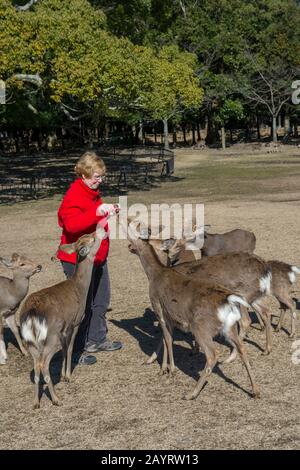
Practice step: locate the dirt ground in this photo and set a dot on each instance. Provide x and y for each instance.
(120, 403)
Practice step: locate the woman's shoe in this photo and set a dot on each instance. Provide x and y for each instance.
(107, 345)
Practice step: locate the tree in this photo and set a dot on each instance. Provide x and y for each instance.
(171, 85)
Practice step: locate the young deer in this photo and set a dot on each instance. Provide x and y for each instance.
(12, 292)
(49, 319)
(184, 249)
(202, 308)
(283, 278)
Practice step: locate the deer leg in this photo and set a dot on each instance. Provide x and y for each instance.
(3, 353)
(265, 315)
(294, 320)
(46, 373)
(234, 337)
(64, 355)
(167, 330)
(11, 323)
(155, 354)
(168, 349)
(195, 348)
(281, 318)
(37, 373)
(211, 360)
(245, 321)
(260, 321)
(287, 303)
(69, 354)
(164, 366)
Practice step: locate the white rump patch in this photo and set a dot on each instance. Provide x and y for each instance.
(295, 269)
(292, 277)
(40, 327)
(292, 274)
(265, 284)
(228, 314)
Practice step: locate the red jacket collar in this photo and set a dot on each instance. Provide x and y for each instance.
(92, 193)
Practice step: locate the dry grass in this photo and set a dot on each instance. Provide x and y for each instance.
(119, 403)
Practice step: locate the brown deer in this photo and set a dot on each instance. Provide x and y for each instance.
(49, 319)
(200, 307)
(12, 292)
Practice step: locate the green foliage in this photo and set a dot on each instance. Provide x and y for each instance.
(230, 110)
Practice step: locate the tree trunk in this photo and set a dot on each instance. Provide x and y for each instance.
(198, 131)
(295, 130)
(193, 134)
(274, 129)
(174, 137)
(184, 133)
(166, 134)
(140, 134)
(287, 125)
(258, 127)
(212, 136)
(223, 137)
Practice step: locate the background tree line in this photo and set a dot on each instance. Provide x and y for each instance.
(225, 64)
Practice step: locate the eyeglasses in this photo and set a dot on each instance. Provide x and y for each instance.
(98, 177)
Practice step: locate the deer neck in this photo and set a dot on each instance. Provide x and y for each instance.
(84, 269)
(150, 262)
(19, 285)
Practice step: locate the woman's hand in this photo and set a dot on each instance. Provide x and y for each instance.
(107, 210)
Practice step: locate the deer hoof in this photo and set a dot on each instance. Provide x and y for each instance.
(56, 403)
(66, 379)
(266, 352)
(188, 396)
(256, 395)
(36, 406)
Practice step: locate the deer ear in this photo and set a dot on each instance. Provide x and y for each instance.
(70, 248)
(6, 262)
(15, 257)
(167, 244)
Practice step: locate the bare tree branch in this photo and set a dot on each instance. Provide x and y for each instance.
(64, 109)
(182, 6)
(36, 79)
(26, 6)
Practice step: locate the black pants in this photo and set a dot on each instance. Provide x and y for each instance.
(93, 328)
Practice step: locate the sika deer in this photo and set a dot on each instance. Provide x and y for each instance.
(244, 273)
(235, 241)
(283, 277)
(49, 319)
(205, 309)
(12, 292)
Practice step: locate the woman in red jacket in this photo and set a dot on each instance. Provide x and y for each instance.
(77, 216)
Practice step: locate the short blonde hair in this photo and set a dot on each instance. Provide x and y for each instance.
(88, 163)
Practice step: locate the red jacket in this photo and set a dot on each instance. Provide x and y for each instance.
(77, 216)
